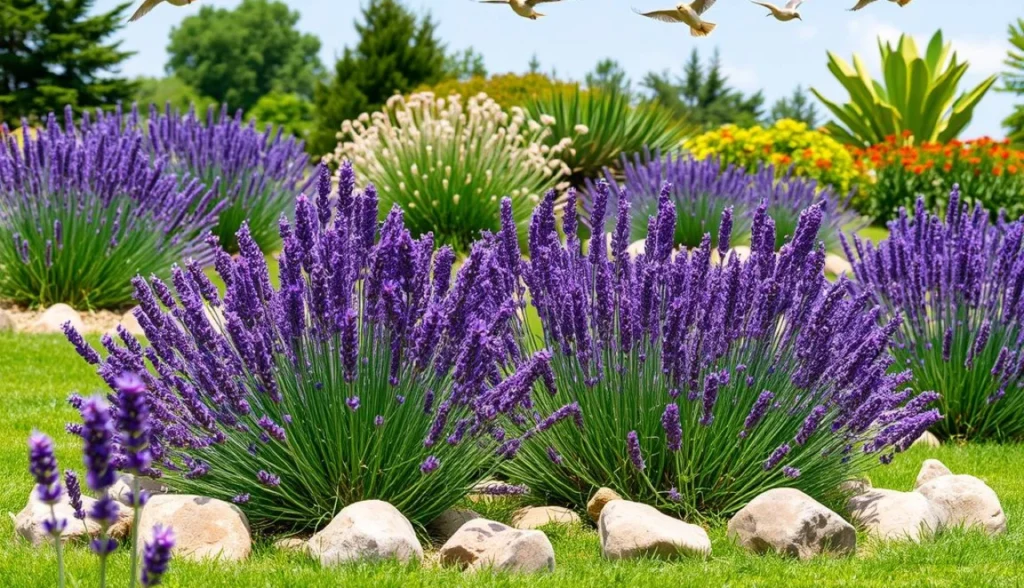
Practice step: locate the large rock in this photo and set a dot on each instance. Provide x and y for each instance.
(203, 527)
(967, 502)
(29, 522)
(598, 501)
(367, 531)
(130, 323)
(927, 439)
(632, 530)
(837, 265)
(483, 544)
(787, 521)
(893, 515)
(450, 521)
(54, 317)
(931, 469)
(856, 486)
(122, 488)
(535, 517)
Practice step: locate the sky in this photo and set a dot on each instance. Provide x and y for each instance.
(757, 52)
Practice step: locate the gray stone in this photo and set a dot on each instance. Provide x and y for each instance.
(367, 531)
(204, 527)
(535, 517)
(631, 530)
(893, 515)
(598, 501)
(481, 544)
(966, 502)
(931, 469)
(450, 521)
(54, 317)
(787, 521)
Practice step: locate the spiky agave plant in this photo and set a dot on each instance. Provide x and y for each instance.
(702, 385)
(958, 283)
(366, 375)
(82, 210)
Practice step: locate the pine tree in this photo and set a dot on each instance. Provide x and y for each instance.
(796, 107)
(608, 76)
(534, 64)
(57, 52)
(396, 52)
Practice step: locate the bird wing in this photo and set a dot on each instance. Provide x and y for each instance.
(767, 5)
(794, 4)
(533, 3)
(662, 15)
(862, 4)
(492, 1)
(701, 6)
(144, 9)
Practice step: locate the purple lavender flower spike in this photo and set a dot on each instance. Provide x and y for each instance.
(633, 449)
(790, 472)
(98, 433)
(430, 465)
(43, 467)
(157, 555)
(133, 422)
(74, 488)
(267, 479)
(673, 429)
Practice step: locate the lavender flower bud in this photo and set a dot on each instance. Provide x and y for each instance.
(133, 421)
(673, 428)
(773, 460)
(633, 448)
(156, 555)
(760, 408)
(43, 467)
(74, 488)
(98, 433)
(267, 479)
(430, 464)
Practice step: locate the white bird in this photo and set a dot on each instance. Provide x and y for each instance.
(686, 13)
(863, 3)
(524, 8)
(151, 4)
(782, 14)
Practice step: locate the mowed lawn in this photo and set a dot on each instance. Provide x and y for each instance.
(37, 373)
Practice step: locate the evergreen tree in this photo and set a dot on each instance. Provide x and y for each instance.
(465, 64)
(396, 52)
(57, 52)
(797, 107)
(1013, 80)
(609, 76)
(534, 64)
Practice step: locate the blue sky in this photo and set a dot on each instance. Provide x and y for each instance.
(757, 52)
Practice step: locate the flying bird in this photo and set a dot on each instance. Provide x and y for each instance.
(151, 4)
(686, 13)
(782, 14)
(524, 8)
(863, 3)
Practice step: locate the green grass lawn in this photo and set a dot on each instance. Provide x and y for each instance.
(37, 373)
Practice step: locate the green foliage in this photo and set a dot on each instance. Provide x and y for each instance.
(236, 56)
(172, 90)
(508, 90)
(291, 111)
(397, 52)
(1013, 79)
(702, 95)
(465, 64)
(608, 76)
(795, 107)
(57, 52)
(916, 94)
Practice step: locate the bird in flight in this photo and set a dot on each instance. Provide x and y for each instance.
(785, 14)
(524, 8)
(686, 13)
(863, 3)
(151, 4)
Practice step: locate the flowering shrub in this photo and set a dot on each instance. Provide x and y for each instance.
(366, 375)
(987, 171)
(702, 190)
(957, 283)
(789, 146)
(448, 161)
(704, 385)
(83, 210)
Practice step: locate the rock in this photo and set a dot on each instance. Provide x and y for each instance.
(203, 527)
(122, 488)
(637, 248)
(29, 522)
(967, 502)
(534, 517)
(837, 265)
(931, 469)
(291, 544)
(450, 521)
(367, 531)
(598, 501)
(787, 521)
(927, 439)
(55, 316)
(483, 544)
(130, 323)
(890, 514)
(632, 530)
(856, 487)
(491, 489)
(6, 322)
(742, 252)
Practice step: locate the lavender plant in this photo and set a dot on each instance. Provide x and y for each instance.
(82, 210)
(43, 467)
(368, 374)
(958, 283)
(704, 385)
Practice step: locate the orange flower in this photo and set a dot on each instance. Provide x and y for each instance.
(948, 166)
(997, 171)
(823, 164)
(1012, 169)
(785, 160)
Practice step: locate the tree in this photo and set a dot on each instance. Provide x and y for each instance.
(534, 64)
(465, 64)
(797, 107)
(161, 91)
(609, 76)
(291, 111)
(397, 52)
(237, 56)
(1013, 80)
(702, 95)
(57, 52)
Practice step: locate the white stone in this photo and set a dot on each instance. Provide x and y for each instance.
(29, 522)
(931, 469)
(927, 439)
(203, 527)
(121, 490)
(450, 521)
(481, 544)
(855, 487)
(787, 521)
(837, 265)
(894, 515)
(54, 317)
(598, 501)
(535, 517)
(636, 248)
(742, 252)
(367, 531)
(130, 324)
(967, 502)
(632, 530)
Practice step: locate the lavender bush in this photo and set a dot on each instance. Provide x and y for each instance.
(702, 189)
(367, 374)
(704, 385)
(958, 283)
(82, 210)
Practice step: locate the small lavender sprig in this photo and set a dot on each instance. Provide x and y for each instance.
(98, 436)
(43, 467)
(157, 555)
(133, 430)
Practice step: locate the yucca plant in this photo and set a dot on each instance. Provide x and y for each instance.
(82, 210)
(917, 94)
(1013, 80)
(367, 375)
(702, 385)
(604, 125)
(447, 162)
(957, 282)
